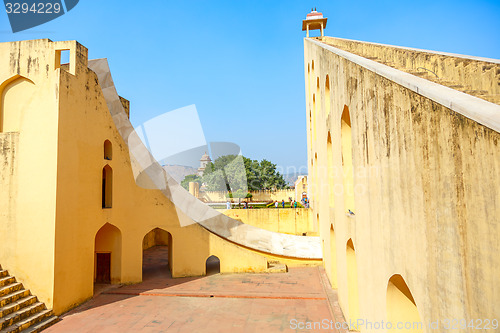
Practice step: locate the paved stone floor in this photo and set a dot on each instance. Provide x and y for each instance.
(215, 303)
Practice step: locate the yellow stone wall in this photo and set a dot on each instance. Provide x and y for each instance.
(220, 196)
(424, 192)
(51, 175)
(297, 221)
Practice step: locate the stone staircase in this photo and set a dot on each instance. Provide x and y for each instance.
(19, 310)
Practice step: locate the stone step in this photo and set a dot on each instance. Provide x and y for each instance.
(15, 306)
(3, 273)
(21, 314)
(42, 325)
(13, 297)
(10, 288)
(30, 321)
(277, 268)
(7, 280)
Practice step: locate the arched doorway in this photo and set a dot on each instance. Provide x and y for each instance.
(401, 306)
(327, 95)
(107, 255)
(352, 282)
(15, 94)
(212, 265)
(333, 258)
(157, 246)
(347, 165)
(331, 183)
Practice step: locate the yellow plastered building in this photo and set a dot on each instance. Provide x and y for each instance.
(404, 180)
(71, 209)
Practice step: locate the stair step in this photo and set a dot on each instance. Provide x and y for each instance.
(3, 273)
(14, 306)
(10, 288)
(21, 314)
(30, 321)
(42, 325)
(7, 280)
(10, 298)
(277, 268)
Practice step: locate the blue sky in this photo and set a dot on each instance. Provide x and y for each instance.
(241, 62)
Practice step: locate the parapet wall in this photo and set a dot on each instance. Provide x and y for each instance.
(220, 196)
(297, 221)
(473, 72)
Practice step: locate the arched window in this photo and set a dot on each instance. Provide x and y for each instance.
(327, 95)
(401, 306)
(333, 258)
(314, 116)
(108, 150)
(329, 156)
(347, 165)
(352, 282)
(107, 187)
(15, 94)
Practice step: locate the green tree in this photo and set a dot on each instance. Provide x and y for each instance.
(190, 178)
(233, 173)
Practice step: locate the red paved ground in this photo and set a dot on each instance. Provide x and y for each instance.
(215, 303)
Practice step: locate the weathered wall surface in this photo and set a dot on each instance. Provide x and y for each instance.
(288, 221)
(472, 72)
(51, 176)
(135, 211)
(425, 193)
(28, 122)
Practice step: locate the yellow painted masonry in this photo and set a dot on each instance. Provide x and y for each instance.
(297, 221)
(220, 196)
(421, 179)
(61, 153)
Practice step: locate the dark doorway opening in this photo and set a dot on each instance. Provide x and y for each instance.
(157, 255)
(212, 265)
(103, 268)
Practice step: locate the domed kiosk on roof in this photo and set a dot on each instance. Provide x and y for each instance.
(314, 21)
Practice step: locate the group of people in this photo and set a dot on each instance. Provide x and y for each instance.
(293, 203)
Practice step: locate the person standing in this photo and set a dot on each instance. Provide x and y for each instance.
(228, 205)
(283, 203)
(276, 204)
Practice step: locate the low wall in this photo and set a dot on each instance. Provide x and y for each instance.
(296, 221)
(220, 196)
